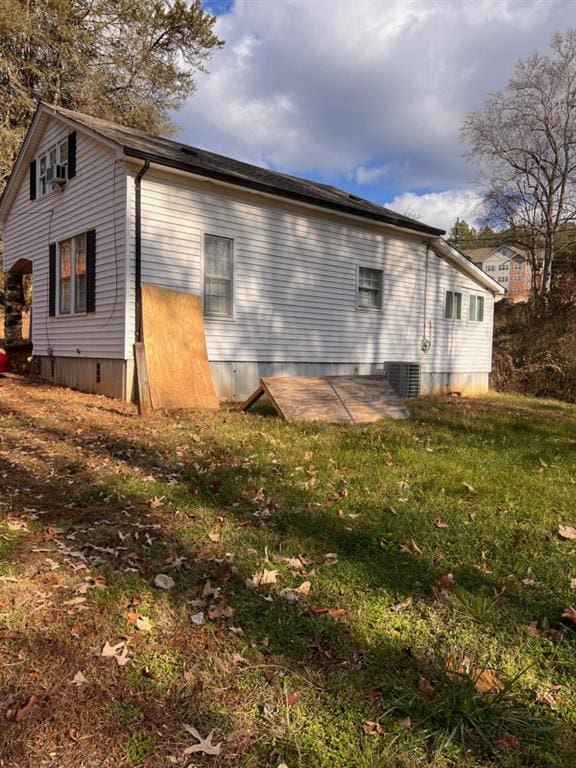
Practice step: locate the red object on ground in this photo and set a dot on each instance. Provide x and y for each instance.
(3, 361)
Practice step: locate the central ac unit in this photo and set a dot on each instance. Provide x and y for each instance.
(56, 175)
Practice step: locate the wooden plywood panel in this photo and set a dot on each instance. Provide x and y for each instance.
(179, 374)
(333, 399)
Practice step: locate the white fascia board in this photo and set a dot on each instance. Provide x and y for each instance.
(455, 257)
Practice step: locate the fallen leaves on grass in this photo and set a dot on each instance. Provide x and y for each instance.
(292, 698)
(197, 618)
(156, 502)
(261, 578)
(567, 532)
(330, 558)
(220, 611)
(425, 687)
(118, 652)
(508, 742)
(143, 624)
(403, 606)
(293, 595)
(439, 522)
(163, 581)
(214, 536)
(569, 613)
(205, 745)
(334, 613)
(412, 547)
(469, 488)
(27, 709)
(78, 679)
(486, 681)
(371, 728)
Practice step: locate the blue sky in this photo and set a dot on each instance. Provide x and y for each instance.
(368, 95)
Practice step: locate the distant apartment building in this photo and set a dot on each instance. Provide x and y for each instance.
(509, 265)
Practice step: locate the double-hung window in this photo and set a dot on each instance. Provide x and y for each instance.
(218, 272)
(369, 288)
(71, 264)
(476, 308)
(453, 305)
(54, 155)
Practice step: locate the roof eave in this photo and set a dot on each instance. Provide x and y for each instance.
(257, 186)
(459, 259)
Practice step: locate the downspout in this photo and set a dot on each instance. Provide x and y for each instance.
(426, 340)
(138, 247)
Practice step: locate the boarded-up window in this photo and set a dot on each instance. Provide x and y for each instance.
(218, 267)
(476, 308)
(369, 288)
(453, 306)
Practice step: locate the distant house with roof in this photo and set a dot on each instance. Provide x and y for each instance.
(508, 265)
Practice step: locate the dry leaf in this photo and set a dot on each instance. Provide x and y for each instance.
(406, 722)
(163, 581)
(143, 623)
(79, 679)
(220, 611)
(214, 536)
(26, 710)
(205, 746)
(572, 583)
(439, 522)
(567, 531)
(156, 502)
(292, 698)
(426, 687)
(469, 487)
(487, 681)
(197, 618)
(412, 547)
(371, 729)
(118, 652)
(260, 578)
(508, 741)
(331, 558)
(403, 606)
(75, 601)
(569, 613)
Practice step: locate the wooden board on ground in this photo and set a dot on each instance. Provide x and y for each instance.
(179, 374)
(333, 399)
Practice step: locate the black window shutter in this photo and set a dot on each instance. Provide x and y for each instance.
(71, 155)
(33, 180)
(91, 270)
(52, 280)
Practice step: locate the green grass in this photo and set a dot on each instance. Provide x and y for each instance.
(499, 471)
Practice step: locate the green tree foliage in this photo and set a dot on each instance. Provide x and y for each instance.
(130, 61)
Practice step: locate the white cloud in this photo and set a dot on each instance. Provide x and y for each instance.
(346, 88)
(367, 175)
(439, 209)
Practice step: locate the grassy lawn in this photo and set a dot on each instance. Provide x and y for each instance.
(372, 597)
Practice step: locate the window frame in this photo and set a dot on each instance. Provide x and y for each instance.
(224, 235)
(362, 307)
(45, 155)
(453, 319)
(73, 239)
(479, 300)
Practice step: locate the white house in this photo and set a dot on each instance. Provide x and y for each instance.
(296, 277)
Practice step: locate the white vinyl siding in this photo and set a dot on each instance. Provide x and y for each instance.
(94, 199)
(295, 281)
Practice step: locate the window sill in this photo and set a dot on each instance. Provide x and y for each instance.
(70, 316)
(220, 318)
(376, 310)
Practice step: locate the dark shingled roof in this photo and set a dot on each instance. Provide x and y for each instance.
(173, 154)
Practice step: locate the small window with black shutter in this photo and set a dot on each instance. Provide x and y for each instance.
(72, 275)
(62, 153)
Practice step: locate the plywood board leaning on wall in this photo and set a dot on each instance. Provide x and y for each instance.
(179, 373)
